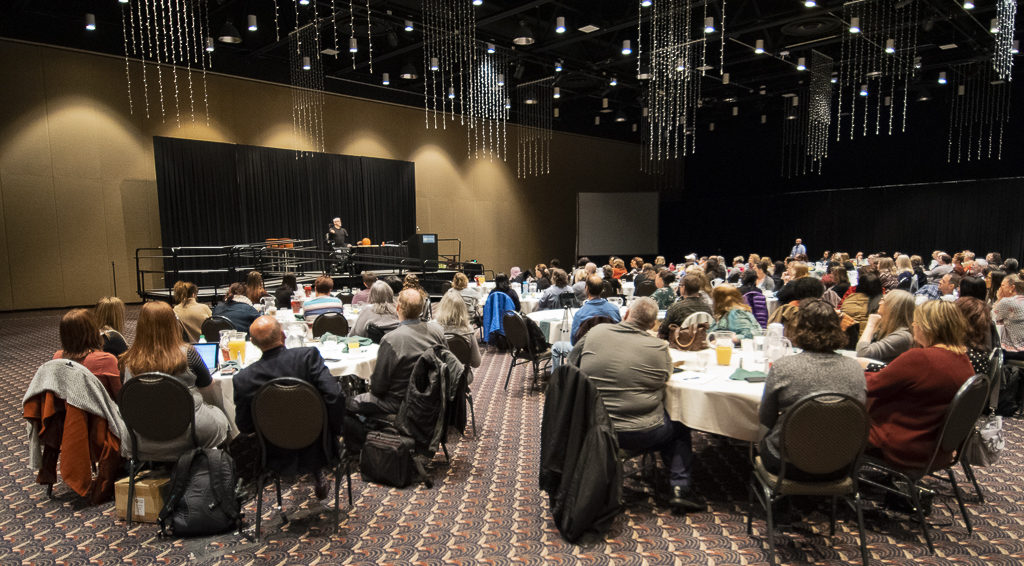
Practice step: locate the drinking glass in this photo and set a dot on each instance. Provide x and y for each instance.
(236, 347)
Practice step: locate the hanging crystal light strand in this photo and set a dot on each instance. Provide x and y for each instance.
(127, 72)
(1006, 17)
(369, 35)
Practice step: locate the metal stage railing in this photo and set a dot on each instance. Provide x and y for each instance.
(214, 268)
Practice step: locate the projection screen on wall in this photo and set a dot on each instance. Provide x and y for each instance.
(616, 223)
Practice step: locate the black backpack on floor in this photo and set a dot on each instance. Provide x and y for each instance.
(202, 498)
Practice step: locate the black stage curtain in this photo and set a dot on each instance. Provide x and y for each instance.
(221, 194)
(981, 215)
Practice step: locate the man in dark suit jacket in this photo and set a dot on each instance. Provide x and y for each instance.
(277, 361)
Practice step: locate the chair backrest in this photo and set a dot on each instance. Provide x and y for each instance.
(698, 318)
(332, 322)
(823, 433)
(904, 285)
(459, 348)
(212, 326)
(963, 412)
(375, 331)
(515, 331)
(290, 414)
(646, 288)
(346, 298)
(995, 375)
(568, 300)
(157, 407)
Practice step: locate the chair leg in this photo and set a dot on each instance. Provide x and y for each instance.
(959, 499)
(259, 505)
(509, 376)
(865, 557)
(49, 490)
(969, 472)
(280, 502)
(348, 481)
(472, 413)
(750, 508)
(131, 491)
(769, 504)
(444, 448)
(832, 518)
(915, 498)
(337, 489)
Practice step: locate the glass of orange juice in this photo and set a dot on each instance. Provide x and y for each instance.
(723, 347)
(353, 346)
(236, 347)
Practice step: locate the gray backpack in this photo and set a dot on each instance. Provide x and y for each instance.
(202, 498)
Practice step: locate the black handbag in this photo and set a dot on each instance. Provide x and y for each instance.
(389, 459)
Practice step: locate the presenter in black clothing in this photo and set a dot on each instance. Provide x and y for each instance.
(337, 235)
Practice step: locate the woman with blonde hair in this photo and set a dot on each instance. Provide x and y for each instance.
(190, 312)
(454, 319)
(908, 399)
(904, 271)
(158, 347)
(460, 282)
(109, 313)
(887, 334)
(732, 313)
(887, 273)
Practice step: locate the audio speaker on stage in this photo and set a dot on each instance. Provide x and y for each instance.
(472, 269)
(424, 247)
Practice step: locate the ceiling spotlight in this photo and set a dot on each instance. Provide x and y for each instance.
(478, 2)
(490, 48)
(735, 110)
(252, 22)
(558, 93)
(501, 79)
(863, 90)
(643, 76)
(942, 77)
(835, 78)
(620, 116)
(709, 25)
(408, 71)
(925, 96)
(960, 90)
(451, 92)
(557, 113)
(626, 49)
(711, 127)
(306, 64)
(408, 25)
(613, 82)
(209, 44)
(508, 103)
(634, 126)
(993, 26)
(855, 25)
(890, 46)
(644, 112)
(304, 2)
(434, 65)
(229, 33)
(560, 24)
(1016, 47)
(604, 106)
(123, 1)
(681, 64)
(810, 4)
(968, 5)
(385, 79)
(764, 118)
(759, 46)
(558, 66)
(725, 78)
(917, 62)
(524, 36)
(801, 64)
(645, 3)
(597, 120)
(353, 45)
(90, 22)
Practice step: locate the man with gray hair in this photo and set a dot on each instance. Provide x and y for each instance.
(630, 368)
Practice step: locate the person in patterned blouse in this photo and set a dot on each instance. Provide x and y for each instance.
(664, 294)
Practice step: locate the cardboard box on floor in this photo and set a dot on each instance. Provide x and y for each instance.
(150, 491)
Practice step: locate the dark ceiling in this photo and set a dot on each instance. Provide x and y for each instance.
(788, 27)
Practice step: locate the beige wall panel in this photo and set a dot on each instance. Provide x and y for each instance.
(6, 300)
(24, 140)
(84, 257)
(140, 218)
(33, 246)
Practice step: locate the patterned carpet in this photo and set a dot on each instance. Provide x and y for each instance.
(485, 507)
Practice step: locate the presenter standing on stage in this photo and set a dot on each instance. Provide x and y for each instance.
(337, 235)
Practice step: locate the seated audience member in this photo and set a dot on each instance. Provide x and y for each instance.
(647, 273)
(501, 284)
(254, 288)
(412, 281)
(972, 287)
(887, 273)
(1009, 312)
(190, 312)
(380, 310)
(1010, 265)
(395, 282)
(630, 368)
(907, 400)
(737, 269)
(109, 313)
(636, 265)
(663, 294)
(748, 282)
(158, 347)
(778, 271)
(323, 302)
(454, 320)
(690, 303)
(993, 281)
(659, 263)
(559, 284)
(905, 272)
(363, 295)
(732, 313)
(398, 353)
(541, 276)
(713, 269)
(981, 332)
(945, 289)
(818, 369)
(797, 270)
(283, 293)
(612, 286)
(301, 363)
(237, 308)
(840, 281)
(80, 342)
(594, 307)
(764, 279)
(943, 266)
(864, 299)
(804, 288)
(469, 296)
(516, 275)
(618, 268)
(580, 285)
(888, 334)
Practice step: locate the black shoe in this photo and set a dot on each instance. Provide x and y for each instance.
(321, 485)
(684, 500)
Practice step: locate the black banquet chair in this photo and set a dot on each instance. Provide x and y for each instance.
(212, 326)
(332, 322)
(157, 407)
(822, 434)
(961, 415)
(290, 414)
(521, 347)
(461, 350)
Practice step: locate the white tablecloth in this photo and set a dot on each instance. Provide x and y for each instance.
(550, 321)
(361, 363)
(709, 401)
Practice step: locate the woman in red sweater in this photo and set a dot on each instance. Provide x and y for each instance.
(907, 400)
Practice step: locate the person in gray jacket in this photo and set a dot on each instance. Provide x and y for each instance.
(887, 333)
